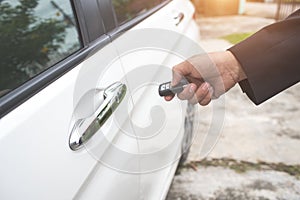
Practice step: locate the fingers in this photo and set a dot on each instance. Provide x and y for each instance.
(203, 95)
(188, 92)
(197, 91)
(177, 76)
(184, 69)
(206, 100)
(169, 98)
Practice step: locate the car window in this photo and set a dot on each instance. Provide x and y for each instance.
(34, 35)
(128, 9)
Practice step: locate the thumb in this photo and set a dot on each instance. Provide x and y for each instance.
(176, 77)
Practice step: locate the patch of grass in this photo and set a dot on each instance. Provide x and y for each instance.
(236, 37)
(244, 166)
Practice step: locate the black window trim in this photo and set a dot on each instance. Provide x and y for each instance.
(108, 14)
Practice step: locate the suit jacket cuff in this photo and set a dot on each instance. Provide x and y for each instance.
(270, 59)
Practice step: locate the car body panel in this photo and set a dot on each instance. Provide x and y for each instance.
(34, 137)
(147, 62)
(34, 140)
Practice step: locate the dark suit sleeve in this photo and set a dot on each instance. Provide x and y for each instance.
(270, 59)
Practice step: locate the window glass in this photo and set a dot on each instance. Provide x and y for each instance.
(34, 35)
(128, 9)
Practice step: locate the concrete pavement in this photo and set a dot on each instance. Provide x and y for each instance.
(254, 140)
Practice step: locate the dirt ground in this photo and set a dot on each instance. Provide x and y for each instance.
(255, 156)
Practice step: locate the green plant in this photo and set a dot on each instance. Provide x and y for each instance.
(236, 37)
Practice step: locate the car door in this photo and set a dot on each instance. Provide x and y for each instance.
(151, 37)
(60, 82)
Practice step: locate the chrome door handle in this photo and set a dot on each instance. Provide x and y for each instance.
(178, 19)
(113, 95)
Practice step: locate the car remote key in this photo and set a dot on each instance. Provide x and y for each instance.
(165, 89)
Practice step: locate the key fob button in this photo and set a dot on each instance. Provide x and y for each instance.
(168, 86)
(167, 89)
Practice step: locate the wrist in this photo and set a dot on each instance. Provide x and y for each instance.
(235, 67)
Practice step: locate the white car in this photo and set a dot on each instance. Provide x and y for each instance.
(81, 117)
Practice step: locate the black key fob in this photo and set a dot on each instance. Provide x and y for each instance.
(165, 89)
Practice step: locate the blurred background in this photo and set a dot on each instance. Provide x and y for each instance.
(256, 156)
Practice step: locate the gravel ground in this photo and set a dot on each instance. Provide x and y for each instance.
(260, 136)
(217, 183)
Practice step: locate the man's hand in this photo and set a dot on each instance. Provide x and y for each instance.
(209, 75)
